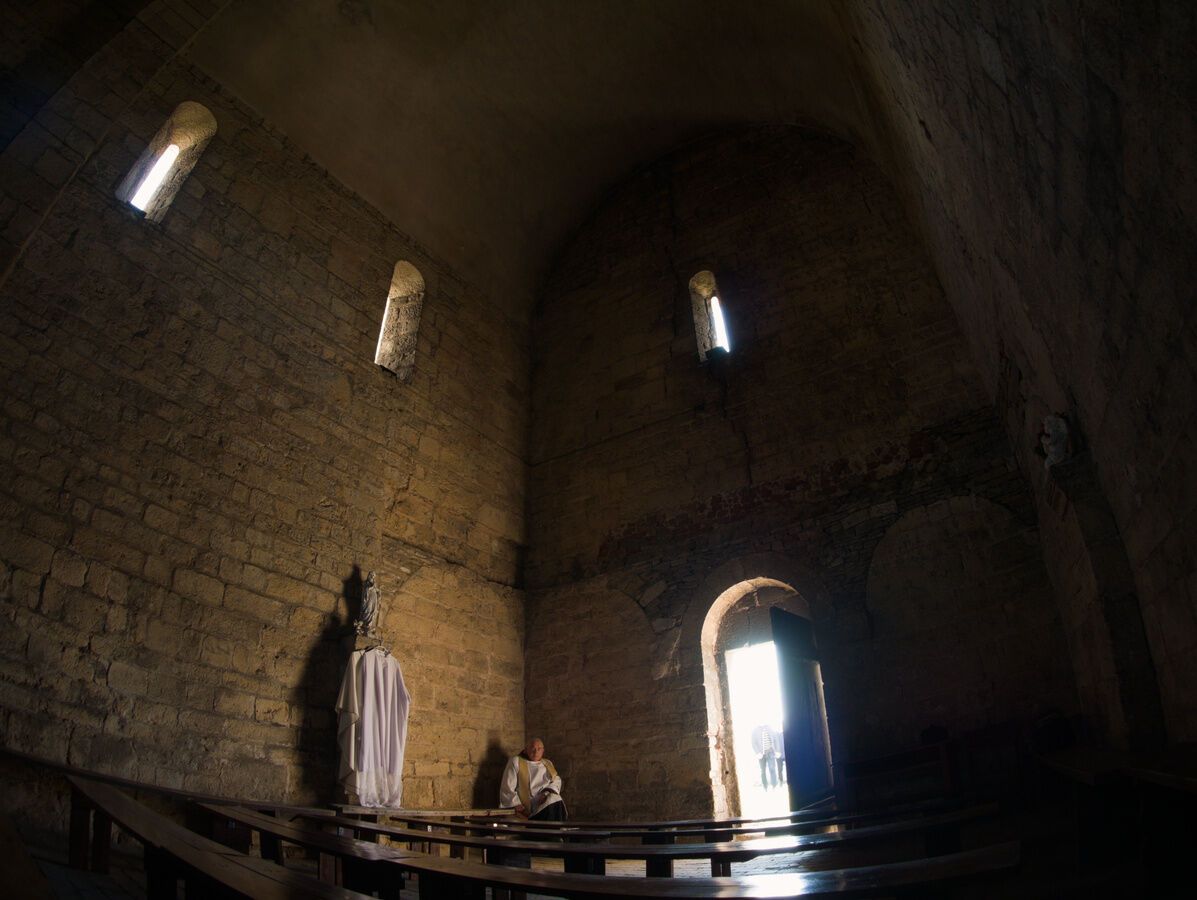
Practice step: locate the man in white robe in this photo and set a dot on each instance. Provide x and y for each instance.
(531, 785)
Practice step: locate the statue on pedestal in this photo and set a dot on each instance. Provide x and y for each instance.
(367, 618)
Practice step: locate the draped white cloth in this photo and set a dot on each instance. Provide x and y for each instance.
(372, 728)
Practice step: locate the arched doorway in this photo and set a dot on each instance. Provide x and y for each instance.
(764, 697)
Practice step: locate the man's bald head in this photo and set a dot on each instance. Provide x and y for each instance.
(534, 749)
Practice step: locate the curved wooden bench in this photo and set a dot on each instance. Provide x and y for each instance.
(818, 812)
(440, 877)
(174, 853)
(659, 858)
(575, 831)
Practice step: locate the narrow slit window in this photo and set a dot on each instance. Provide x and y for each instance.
(154, 178)
(710, 319)
(396, 348)
(164, 165)
(719, 325)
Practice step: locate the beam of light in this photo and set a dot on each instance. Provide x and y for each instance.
(754, 693)
(721, 339)
(386, 318)
(154, 178)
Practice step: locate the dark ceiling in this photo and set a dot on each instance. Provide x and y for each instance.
(487, 130)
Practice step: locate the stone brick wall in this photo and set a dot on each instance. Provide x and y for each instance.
(200, 459)
(848, 410)
(43, 44)
(1046, 149)
(958, 589)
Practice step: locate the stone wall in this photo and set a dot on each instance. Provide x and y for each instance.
(848, 408)
(1046, 150)
(43, 44)
(200, 460)
(958, 588)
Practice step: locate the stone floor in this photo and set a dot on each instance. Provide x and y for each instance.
(123, 882)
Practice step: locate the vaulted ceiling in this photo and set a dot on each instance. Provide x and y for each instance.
(488, 129)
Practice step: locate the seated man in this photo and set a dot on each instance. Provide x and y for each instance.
(531, 784)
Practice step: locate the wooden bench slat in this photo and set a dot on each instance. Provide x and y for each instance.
(574, 831)
(834, 883)
(805, 814)
(165, 840)
(682, 851)
(439, 876)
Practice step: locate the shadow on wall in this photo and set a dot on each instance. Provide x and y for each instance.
(316, 694)
(486, 783)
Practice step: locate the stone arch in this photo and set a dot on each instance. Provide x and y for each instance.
(952, 589)
(791, 586)
(778, 567)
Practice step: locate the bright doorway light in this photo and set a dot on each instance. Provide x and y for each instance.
(721, 339)
(154, 178)
(754, 693)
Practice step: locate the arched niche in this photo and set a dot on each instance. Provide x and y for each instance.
(168, 159)
(397, 337)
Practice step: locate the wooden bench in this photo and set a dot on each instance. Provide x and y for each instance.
(666, 835)
(938, 830)
(373, 812)
(173, 853)
(929, 770)
(359, 865)
(1166, 785)
(817, 811)
(441, 877)
(570, 832)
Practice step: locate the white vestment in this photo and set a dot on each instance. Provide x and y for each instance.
(538, 779)
(372, 728)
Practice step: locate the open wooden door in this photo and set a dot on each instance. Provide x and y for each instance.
(807, 746)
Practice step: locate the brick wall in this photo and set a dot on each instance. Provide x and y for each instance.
(199, 458)
(847, 411)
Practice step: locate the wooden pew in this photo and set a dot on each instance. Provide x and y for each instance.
(173, 853)
(374, 812)
(440, 877)
(659, 857)
(1163, 787)
(666, 835)
(812, 813)
(360, 865)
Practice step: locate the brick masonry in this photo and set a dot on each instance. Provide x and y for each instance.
(845, 448)
(199, 458)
